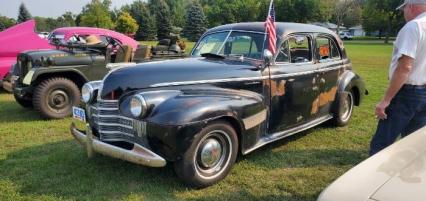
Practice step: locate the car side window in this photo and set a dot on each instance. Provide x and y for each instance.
(327, 49)
(296, 49)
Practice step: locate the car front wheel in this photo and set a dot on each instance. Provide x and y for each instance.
(210, 157)
(54, 97)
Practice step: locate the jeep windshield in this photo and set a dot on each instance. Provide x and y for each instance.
(228, 44)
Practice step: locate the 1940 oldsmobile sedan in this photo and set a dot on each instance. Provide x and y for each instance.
(233, 96)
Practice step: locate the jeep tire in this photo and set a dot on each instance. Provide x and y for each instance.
(210, 157)
(55, 97)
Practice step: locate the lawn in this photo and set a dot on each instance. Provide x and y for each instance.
(39, 160)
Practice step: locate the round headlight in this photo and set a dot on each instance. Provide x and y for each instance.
(87, 93)
(138, 106)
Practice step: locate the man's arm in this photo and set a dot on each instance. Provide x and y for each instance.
(399, 78)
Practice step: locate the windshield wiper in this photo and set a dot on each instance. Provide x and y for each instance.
(211, 55)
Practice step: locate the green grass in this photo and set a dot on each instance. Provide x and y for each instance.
(39, 160)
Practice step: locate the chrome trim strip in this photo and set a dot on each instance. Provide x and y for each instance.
(283, 134)
(253, 121)
(209, 81)
(115, 132)
(112, 116)
(114, 124)
(103, 108)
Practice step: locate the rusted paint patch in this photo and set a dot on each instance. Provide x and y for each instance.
(323, 99)
(278, 88)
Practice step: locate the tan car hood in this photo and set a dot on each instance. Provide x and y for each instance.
(391, 175)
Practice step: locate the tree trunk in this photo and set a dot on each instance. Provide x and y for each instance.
(388, 29)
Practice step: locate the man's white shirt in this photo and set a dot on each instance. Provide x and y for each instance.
(411, 42)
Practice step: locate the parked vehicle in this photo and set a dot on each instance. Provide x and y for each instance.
(346, 36)
(231, 97)
(397, 173)
(23, 37)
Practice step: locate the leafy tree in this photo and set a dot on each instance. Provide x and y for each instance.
(96, 14)
(178, 11)
(354, 17)
(162, 13)
(67, 20)
(140, 12)
(6, 22)
(383, 11)
(23, 14)
(195, 22)
(126, 24)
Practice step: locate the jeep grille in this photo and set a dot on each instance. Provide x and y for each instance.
(113, 127)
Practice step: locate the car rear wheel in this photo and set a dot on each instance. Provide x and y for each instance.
(24, 102)
(54, 97)
(343, 108)
(210, 156)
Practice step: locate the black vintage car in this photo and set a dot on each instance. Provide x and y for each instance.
(50, 80)
(232, 97)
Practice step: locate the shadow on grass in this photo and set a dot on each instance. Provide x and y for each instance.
(266, 157)
(11, 111)
(63, 169)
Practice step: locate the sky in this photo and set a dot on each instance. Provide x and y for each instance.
(49, 8)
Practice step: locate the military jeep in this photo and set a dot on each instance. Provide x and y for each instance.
(50, 80)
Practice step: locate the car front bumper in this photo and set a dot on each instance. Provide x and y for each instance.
(139, 155)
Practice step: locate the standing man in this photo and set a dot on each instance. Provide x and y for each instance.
(403, 108)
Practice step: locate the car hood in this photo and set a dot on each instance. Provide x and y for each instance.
(19, 38)
(189, 71)
(394, 174)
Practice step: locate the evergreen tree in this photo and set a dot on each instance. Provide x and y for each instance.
(23, 14)
(164, 25)
(140, 12)
(195, 23)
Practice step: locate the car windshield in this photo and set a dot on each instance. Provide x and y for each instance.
(245, 44)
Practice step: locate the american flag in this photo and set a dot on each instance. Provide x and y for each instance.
(271, 29)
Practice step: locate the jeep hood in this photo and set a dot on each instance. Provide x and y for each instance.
(59, 57)
(189, 71)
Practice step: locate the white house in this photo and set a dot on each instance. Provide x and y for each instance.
(357, 31)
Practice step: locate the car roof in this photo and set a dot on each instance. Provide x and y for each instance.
(283, 28)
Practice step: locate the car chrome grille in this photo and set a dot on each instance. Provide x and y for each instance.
(111, 126)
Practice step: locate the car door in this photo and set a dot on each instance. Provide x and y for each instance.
(330, 68)
(293, 84)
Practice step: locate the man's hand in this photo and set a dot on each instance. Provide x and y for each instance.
(381, 110)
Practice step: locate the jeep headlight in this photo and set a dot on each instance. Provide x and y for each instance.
(138, 106)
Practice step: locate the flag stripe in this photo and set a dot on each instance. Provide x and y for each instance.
(271, 29)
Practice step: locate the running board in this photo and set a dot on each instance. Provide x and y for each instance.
(283, 134)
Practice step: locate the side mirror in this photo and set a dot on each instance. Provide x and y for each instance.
(267, 56)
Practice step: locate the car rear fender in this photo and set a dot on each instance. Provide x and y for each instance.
(351, 82)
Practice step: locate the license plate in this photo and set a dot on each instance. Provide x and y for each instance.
(79, 113)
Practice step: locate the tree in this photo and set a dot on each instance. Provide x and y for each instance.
(342, 10)
(380, 15)
(195, 22)
(6, 22)
(140, 12)
(162, 13)
(354, 17)
(126, 24)
(23, 14)
(96, 14)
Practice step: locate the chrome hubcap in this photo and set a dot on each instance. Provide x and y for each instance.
(347, 107)
(211, 153)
